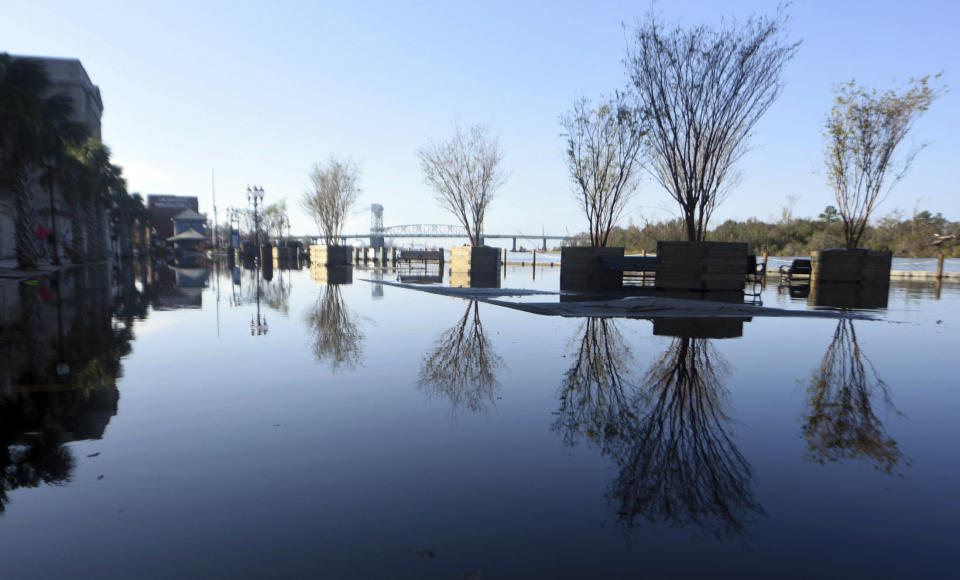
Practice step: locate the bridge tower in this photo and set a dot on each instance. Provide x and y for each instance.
(376, 226)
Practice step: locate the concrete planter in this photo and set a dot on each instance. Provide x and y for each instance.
(331, 255)
(581, 269)
(701, 266)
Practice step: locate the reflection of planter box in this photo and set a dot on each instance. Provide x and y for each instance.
(849, 294)
(285, 252)
(851, 266)
(331, 274)
(469, 280)
(701, 266)
(482, 261)
(581, 268)
(331, 255)
(699, 327)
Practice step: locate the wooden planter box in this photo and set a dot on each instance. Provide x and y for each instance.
(699, 327)
(331, 255)
(701, 266)
(331, 274)
(582, 269)
(480, 260)
(474, 267)
(469, 280)
(849, 295)
(850, 266)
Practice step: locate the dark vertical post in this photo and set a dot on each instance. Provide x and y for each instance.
(763, 275)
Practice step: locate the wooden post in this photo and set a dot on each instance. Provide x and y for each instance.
(763, 277)
(940, 266)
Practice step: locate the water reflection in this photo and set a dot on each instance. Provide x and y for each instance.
(337, 340)
(668, 432)
(594, 401)
(841, 422)
(683, 467)
(59, 365)
(462, 367)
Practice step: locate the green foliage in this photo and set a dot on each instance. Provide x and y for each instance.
(904, 237)
(864, 130)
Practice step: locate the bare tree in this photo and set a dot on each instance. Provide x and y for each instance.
(603, 156)
(275, 219)
(333, 190)
(701, 91)
(863, 131)
(465, 172)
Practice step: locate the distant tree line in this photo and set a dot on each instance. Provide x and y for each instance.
(915, 236)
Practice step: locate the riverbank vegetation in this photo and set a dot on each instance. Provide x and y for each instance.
(914, 236)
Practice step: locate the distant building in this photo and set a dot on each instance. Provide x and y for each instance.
(189, 230)
(163, 208)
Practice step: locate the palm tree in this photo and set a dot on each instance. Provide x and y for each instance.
(32, 128)
(102, 176)
(77, 181)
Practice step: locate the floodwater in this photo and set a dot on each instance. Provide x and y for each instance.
(197, 422)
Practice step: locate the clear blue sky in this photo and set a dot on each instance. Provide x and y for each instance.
(259, 91)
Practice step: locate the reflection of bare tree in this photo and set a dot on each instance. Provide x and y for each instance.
(276, 294)
(337, 337)
(462, 367)
(841, 422)
(682, 465)
(593, 396)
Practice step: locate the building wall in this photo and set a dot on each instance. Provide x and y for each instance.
(68, 76)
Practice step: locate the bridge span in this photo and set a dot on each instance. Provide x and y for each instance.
(377, 236)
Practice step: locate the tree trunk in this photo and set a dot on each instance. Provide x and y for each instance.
(26, 220)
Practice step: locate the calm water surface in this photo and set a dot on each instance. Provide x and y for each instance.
(152, 425)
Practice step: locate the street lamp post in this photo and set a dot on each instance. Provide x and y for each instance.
(255, 196)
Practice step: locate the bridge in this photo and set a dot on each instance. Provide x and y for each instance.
(378, 233)
(413, 231)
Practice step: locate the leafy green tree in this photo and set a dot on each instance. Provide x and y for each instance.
(829, 215)
(864, 129)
